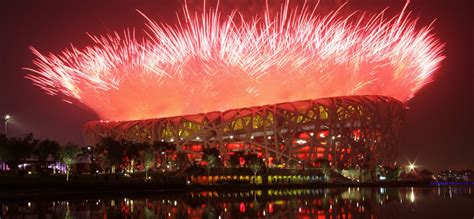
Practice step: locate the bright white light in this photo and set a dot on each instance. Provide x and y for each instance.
(269, 137)
(412, 195)
(7, 117)
(197, 138)
(321, 135)
(411, 166)
(301, 141)
(251, 137)
(231, 137)
(311, 134)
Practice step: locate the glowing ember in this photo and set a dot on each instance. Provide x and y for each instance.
(214, 62)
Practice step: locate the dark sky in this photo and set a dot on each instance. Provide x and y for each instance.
(439, 125)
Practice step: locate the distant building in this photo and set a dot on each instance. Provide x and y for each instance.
(458, 176)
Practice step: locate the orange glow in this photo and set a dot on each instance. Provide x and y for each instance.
(214, 62)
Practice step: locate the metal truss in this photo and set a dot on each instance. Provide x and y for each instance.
(346, 131)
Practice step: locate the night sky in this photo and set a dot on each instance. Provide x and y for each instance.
(437, 133)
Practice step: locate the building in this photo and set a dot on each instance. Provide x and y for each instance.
(352, 131)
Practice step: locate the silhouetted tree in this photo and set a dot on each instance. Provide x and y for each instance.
(15, 151)
(392, 173)
(87, 153)
(163, 149)
(182, 160)
(234, 159)
(110, 153)
(47, 149)
(68, 155)
(132, 153)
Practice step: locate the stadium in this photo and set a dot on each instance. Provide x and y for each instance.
(346, 131)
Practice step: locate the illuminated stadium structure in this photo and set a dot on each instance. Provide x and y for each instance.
(346, 131)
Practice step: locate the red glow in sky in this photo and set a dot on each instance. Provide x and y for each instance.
(212, 61)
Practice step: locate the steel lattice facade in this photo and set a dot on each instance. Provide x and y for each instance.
(347, 131)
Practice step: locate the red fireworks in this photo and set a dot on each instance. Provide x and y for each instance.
(214, 62)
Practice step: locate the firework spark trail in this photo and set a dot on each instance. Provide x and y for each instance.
(211, 61)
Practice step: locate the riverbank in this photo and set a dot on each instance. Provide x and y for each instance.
(91, 184)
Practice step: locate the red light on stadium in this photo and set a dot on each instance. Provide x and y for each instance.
(241, 161)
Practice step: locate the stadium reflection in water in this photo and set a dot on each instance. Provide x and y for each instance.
(280, 203)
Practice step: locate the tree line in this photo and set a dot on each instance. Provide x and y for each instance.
(15, 151)
(114, 156)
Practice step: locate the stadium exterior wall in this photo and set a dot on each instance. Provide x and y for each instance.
(352, 131)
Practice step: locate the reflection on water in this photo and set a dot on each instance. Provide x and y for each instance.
(279, 203)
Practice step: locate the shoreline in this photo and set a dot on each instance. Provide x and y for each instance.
(65, 189)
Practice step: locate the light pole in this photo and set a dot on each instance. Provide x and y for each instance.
(91, 153)
(6, 118)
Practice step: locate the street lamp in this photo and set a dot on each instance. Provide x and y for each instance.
(91, 154)
(6, 118)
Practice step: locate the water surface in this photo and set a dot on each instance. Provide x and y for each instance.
(354, 202)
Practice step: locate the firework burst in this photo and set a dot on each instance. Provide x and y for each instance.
(210, 61)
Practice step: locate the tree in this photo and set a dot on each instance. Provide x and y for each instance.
(4, 148)
(182, 160)
(110, 152)
(210, 164)
(211, 157)
(392, 173)
(87, 153)
(132, 152)
(234, 159)
(255, 165)
(47, 149)
(14, 151)
(426, 175)
(148, 159)
(326, 169)
(68, 155)
(163, 149)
